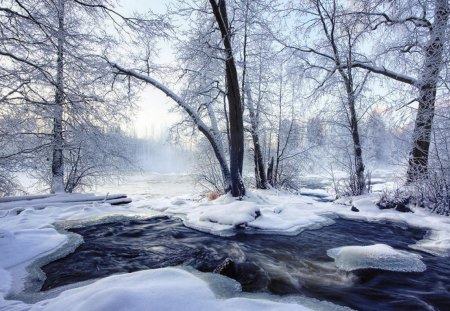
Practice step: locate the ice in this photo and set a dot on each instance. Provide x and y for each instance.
(377, 256)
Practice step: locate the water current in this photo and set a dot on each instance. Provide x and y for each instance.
(278, 264)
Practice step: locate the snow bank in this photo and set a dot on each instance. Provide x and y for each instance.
(161, 289)
(23, 245)
(28, 233)
(378, 256)
(437, 241)
(63, 199)
(267, 212)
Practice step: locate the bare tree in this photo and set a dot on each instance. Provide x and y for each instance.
(234, 120)
(52, 51)
(334, 55)
(435, 30)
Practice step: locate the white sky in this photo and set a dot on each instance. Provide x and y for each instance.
(153, 118)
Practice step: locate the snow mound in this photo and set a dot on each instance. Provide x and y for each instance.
(378, 256)
(160, 289)
(233, 214)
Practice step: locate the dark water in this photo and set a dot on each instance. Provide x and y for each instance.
(263, 263)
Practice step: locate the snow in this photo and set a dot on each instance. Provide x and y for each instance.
(29, 232)
(234, 214)
(160, 289)
(437, 242)
(35, 241)
(378, 256)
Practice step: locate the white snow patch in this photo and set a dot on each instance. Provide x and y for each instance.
(378, 256)
(160, 289)
(28, 243)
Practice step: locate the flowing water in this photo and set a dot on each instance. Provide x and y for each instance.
(278, 264)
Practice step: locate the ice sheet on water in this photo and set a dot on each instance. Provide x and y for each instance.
(378, 256)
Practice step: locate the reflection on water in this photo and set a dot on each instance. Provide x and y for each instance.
(262, 263)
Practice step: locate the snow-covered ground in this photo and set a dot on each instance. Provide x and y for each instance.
(29, 232)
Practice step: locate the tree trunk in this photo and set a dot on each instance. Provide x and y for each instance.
(418, 162)
(270, 172)
(234, 102)
(57, 183)
(360, 183)
(260, 171)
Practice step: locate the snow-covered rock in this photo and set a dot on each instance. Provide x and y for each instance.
(378, 256)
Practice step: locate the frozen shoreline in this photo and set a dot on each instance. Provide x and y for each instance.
(28, 232)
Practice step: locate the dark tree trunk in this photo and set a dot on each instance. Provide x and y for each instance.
(359, 182)
(234, 102)
(57, 182)
(270, 172)
(260, 171)
(418, 162)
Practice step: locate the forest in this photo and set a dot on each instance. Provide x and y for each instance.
(293, 115)
(284, 87)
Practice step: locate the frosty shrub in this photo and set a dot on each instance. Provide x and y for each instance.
(344, 187)
(8, 184)
(433, 191)
(207, 170)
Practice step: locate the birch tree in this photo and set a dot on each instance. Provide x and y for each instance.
(426, 26)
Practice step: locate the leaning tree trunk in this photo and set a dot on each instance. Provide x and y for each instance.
(418, 162)
(57, 183)
(234, 102)
(210, 132)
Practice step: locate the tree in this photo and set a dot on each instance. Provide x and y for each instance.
(235, 108)
(53, 52)
(232, 173)
(435, 29)
(333, 56)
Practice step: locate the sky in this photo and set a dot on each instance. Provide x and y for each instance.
(152, 117)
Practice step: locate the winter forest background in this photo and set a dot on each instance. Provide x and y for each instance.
(266, 92)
